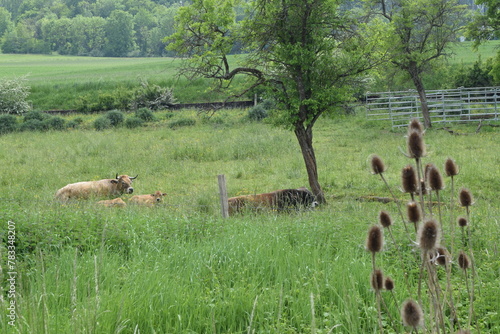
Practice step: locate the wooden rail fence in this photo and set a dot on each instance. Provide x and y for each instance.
(445, 106)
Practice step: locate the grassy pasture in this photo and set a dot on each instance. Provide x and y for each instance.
(180, 268)
(58, 81)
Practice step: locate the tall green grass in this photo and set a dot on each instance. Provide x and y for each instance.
(181, 268)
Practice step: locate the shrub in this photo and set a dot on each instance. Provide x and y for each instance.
(35, 115)
(133, 122)
(182, 122)
(153, 97)
(145, 114)
(8, 124)
(56, 123)
(476, 76)
(102, 123)
(73, 124)
(257, 113)
(116, 117)
(34, 125)
(13, 96)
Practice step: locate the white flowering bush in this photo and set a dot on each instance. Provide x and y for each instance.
(13, 96)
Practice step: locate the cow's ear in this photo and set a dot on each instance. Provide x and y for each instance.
(114, 181)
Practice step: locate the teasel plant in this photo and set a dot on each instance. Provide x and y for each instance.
(385, 221)
(416, 150)
(412, 315)
(466, 200)
(436, 184)
(374, 244)
(429, 237)
(378, 168)
(451, 169)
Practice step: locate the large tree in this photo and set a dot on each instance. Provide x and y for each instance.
(308, 54)
(422, 30)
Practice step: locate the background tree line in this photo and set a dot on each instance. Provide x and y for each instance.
(114, 28)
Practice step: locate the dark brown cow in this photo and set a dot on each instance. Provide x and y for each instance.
(280, 200)
(103, 188)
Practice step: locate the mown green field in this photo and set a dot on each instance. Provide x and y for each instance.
(181, 268)
(59, 82)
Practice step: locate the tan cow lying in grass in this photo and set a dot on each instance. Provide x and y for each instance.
(117, 202)
(103, 188)
(148, 200)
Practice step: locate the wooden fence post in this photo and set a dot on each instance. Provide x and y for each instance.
(223, 195)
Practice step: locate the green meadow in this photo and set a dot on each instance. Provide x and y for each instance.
(60, 82)
(181, 268)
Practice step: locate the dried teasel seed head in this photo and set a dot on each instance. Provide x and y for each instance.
(434, 178)
(375, 239)
(409, 179)
(415, 125)
(388, 284)
(377, 280)
(416, 146)
(413, 211)
(466, 198)
(412, 314)
(450, 167)
(428, 235)
(442, 256)
(423, 187)
(463, 260)
(462, 221)
(384, 218)
(378, 166)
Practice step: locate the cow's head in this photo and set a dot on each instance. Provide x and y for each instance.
(308, 198)
(124, 183)
(158, 196)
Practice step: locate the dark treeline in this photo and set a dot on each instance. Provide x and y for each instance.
(110, 28)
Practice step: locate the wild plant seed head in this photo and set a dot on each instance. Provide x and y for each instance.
(434, 179)
(409, 179)
(388, 284)
(462, 221)
(385, 218)
(377, 280)
(463, 260)
(378, 166)
(415, 125)
(466, 198)
(412, 314)
(413, 211)
(423, 187)
(442, 256)
(416, 146)
(450, 167)
(375, 239)
(428, 235)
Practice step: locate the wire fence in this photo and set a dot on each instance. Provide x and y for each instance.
(445, 106)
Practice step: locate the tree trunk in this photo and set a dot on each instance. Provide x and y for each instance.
(419, 85)
(305, 141)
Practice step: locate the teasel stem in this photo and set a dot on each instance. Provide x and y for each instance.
(378, 167)
(443, 258)
(386, 221)
(464, 263)
(451, 170)
(466, 200)
(377, 282)
(435, 182)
